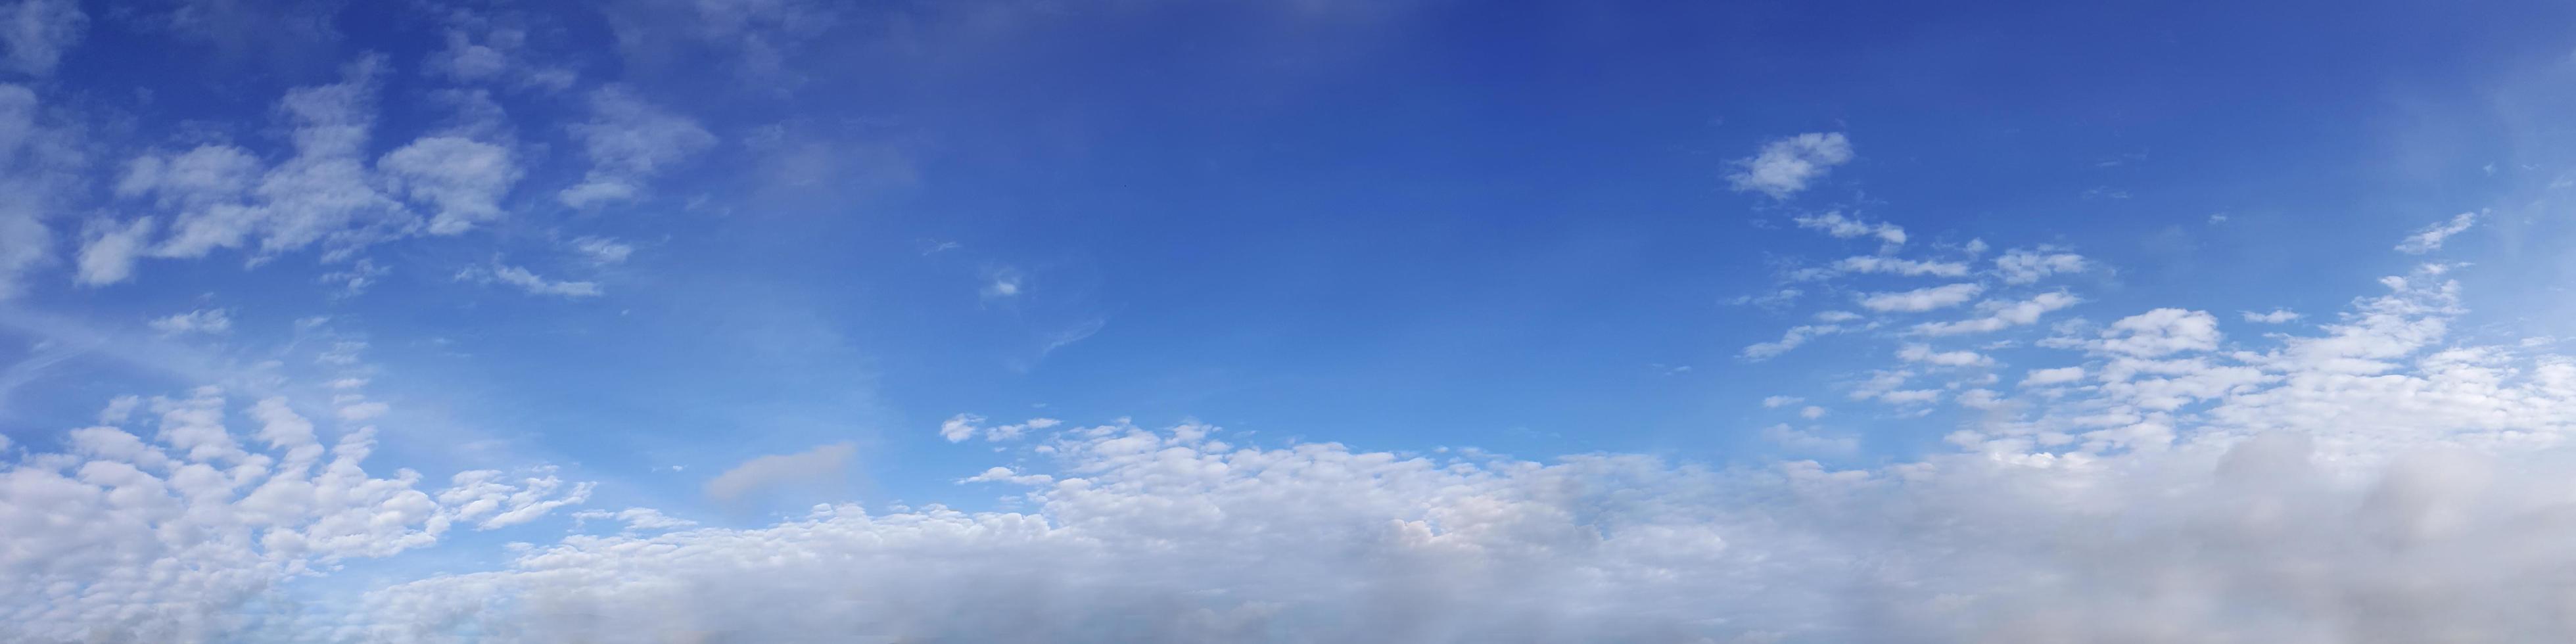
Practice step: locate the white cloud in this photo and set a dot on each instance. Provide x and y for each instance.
(1770, 402)
(1922, 299)
(207, 321)
(2026, 266)
(222, 197)
(822, 465)
(35, 33)
(2429, 238)
(1841, 227)
(2162, 331)
(2001, 314)
(174, 538)
(2057, 376)
(461, 178)
(1811, 412)
(528, 281)
(629, 141)
(602, 251)
(109, 255)
(961, 427)
(1925, 354)
(1002, 284)
(1795, 337)
(2277, 316)
(1785, 166)
(1907, 267)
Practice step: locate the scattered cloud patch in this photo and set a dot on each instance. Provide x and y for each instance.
(2429, 238)
(1843, 227)
(205, 321)
(2277, 316)
(1784, 167)
(1922, 299)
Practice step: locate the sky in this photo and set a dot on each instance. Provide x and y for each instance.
(702, 321)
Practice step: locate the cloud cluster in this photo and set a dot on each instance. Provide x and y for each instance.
(328, 193)
(120, 538)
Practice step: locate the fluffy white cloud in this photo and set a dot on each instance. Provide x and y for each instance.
(2429, 238)
(1785, 166)
(2162, 331)
(628, 141)
(821, 465)
(222, 196)
(1922, 299)
(35, 33)
(176, 538)
(2057, 376)
(1961, 358)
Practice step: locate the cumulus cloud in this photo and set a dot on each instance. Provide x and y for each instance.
(1785, 166)
(222, 196)
(2162, 331)
(1961, 358)
(1922, 299)
(2056, 376)
(172, 538)
(2375, 479)
(2429, 238)
(821, 465)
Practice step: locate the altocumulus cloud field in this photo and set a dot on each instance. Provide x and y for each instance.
(1283, 322)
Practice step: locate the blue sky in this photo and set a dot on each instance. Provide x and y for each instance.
(768, 274)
